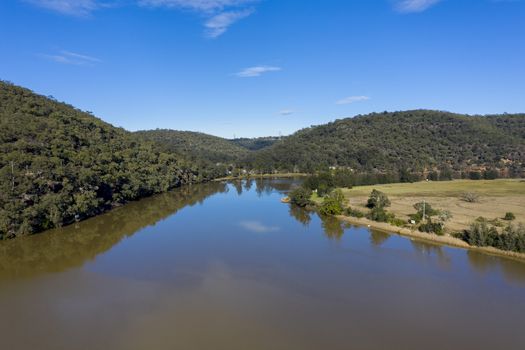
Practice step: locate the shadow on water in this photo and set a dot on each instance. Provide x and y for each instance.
(73, 245)
(484, 263)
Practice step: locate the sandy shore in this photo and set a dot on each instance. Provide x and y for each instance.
(444, 240)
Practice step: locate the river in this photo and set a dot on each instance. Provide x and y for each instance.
(228, 266)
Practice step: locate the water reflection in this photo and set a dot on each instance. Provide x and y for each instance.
(300, 214)
(377, 238)
(333, 227)
(484, 263)
(73, 245)
(429, 250)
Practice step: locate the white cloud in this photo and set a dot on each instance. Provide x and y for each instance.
(69, 7)
(257, 227)
(218, 24)
(68, 57)
(286, 112)
(221, 14)
(256, 71)
(415, 5)
(352, 99)
(197, 5)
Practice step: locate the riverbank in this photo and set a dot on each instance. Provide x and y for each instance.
(494, 198)
(442, 240)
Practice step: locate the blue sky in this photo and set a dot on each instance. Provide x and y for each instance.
(264, 67)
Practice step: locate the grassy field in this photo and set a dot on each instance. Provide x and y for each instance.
(496, 197)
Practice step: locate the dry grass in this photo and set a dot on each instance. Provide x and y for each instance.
(496, 197)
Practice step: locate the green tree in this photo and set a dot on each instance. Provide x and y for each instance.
(378, 200)
(300, 196)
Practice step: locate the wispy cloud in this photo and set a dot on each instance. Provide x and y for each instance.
(257, 227)
(408, 6)
(198, 5)
(352, 99)
(221, 14)
(70, 7)
(219, 24)
(286, 112)
(257, 71)
(68, 57)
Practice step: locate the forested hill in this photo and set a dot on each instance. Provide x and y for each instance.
(412, 140)
(58, 164)
(256, 144)
(196, 145)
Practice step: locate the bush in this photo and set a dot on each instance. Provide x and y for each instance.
(333, 204)
(331, 207)
(378, 199)
(396, 221)
(379, 215)
(509, 216)
(474, 175)
(470, 197)
(432, 227)
(300, 196)
(482, 235)
(354, 213)
(491, 174)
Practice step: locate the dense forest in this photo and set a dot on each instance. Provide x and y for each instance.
(257, 143)
(59, 164)
(413, 141)
(195, 145)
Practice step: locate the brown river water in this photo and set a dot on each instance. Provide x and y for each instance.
(227, 266)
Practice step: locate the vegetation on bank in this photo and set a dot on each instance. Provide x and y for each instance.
(59, 164)
(484, 234)
(427, 219)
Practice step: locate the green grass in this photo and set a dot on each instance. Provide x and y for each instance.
(501, 187)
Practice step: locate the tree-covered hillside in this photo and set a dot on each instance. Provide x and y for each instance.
(59, 164)
(196, 145)
(412, 140)
(257, 143)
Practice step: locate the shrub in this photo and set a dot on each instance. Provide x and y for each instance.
(396, 221)
(481, 234)
(331, 207)
(378, 199)
(509, 216)
(354, 213)
(300, 196)
(491, 174)
(333, 203)
(474, 175)
(379, 215)
(470, 197)
(432, 227)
